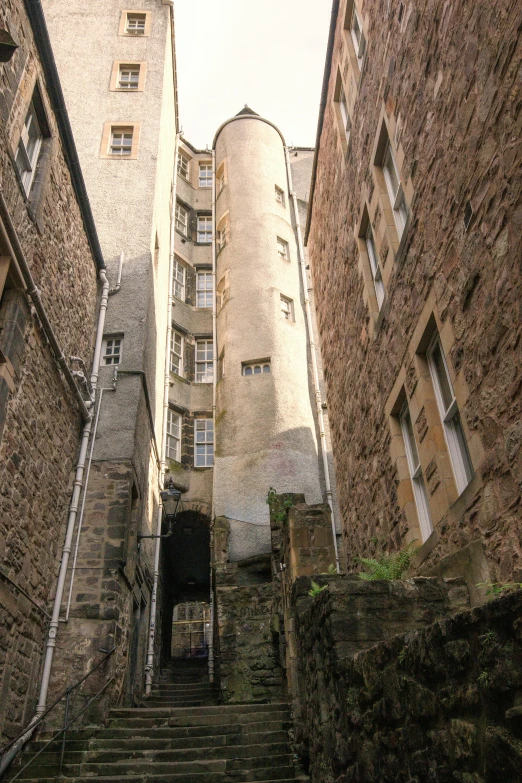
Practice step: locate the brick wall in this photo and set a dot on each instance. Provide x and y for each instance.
(444, 78)
(41, 423)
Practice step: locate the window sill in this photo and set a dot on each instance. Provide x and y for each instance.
(175, 377)
(203, 467)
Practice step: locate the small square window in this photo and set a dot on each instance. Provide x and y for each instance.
(287, 308)
(129, 77)
(204, 361)
(181, 219)
(204, 289)
(282, 248)
(205, 175)
(183, 165)
(121, 142)
(205, 229)
(280, 196)
(112, 350)
(135, 24)
(204, 443)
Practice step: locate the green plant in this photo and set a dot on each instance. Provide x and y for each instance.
(497, 588)
(388, 567)
(483, 677)
(332, 571)
(316, 589)
(280, 514)
(402, 655)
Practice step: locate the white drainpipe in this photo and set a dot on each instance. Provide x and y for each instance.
(73, 508)
(149, 665)
(315, 371)
(214, 382)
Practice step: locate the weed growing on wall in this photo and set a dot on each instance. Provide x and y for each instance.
(388, 567)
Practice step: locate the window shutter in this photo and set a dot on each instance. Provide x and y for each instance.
(190, 359)
(187, 438)
(190, 287)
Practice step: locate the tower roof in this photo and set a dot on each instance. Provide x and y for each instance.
(247, 110)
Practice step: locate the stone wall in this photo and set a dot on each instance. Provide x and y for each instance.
(439, 703)
(41, 423)
(445, 79)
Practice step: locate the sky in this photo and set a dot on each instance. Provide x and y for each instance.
(268, 54)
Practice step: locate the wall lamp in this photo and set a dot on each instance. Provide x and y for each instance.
(170, 498)
(7, 46)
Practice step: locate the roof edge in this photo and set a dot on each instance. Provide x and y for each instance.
(246, 117)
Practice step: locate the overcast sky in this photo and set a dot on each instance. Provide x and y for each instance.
(269, 54)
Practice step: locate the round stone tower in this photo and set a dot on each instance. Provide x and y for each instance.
(265, 429)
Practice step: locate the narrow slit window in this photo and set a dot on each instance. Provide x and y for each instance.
(176, 353)
(416, 474)
(178, 281)
(183, 165)
(359, 41)
(395, 190)
(181, 219)
(173, 436)
(282, 248)
(29, 148)
(287, 308)
(450, 415)
(345, 116)
(280, 196)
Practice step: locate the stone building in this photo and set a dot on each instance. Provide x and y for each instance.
(49, 258)
(413, 229)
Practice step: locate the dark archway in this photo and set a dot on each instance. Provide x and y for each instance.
(185, 568)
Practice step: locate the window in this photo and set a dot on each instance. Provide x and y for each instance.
(282, 248)
(204, 289)
(374, 265)
(417, 478)
(449, 413)
(176, 352)
(204, 441)
(221, 179)
(29, 148)
(135, 24)
(183, 165)
(111, 350)
(222, 236)
(345, 117)
(280, 196)
(394, 187)
(173, 446)
(181, 219)
(287, 308)
(359, 41)
(121, 142)
(205, 229)
(256, 368)
(222, 291)
(178, 280)
(204, 361)
(205, 175)
(129, 77)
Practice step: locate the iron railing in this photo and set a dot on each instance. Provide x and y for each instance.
(66, 722)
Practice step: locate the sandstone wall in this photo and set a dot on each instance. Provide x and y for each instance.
(445, 78)
(41, 424)
(438, 703)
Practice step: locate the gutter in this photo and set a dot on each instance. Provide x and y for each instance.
(322, 107)
(35, 13)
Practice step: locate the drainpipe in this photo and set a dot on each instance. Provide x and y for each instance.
(117, 287)
(315, 371)
(73, 508)
(149, 665)
(214, 382)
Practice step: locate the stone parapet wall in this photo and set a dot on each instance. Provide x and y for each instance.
(439, 701)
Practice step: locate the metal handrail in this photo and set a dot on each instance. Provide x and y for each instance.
(63, 731)
(31, 726)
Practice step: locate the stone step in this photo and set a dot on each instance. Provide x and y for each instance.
(221, 709)
(197, 720)
(152, 778)
(176, 701)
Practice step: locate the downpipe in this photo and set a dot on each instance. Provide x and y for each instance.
(149, 664)
(315, 370)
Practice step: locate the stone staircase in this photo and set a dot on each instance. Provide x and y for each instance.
(182, 735)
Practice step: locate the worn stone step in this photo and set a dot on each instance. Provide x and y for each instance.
(175, 732)
(174, 702)
(202, 687)
(197, 720)
(130, 767)
(221, 709)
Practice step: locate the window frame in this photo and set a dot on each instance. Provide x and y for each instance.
(181, 226)
(179, 266)
(222, 233)
(205, 181)
(205, 375)
(283, 248)
(206, 233)
(280, 196)
(454, 434)
(183, 158)
(359, 42)
(173, 353)
(171, 435)
(375, 267)
(27, 160)
(396, 196)
(420, 493)
(109, 129)
(206, 441)
(288, 313)
(248, 369)
(106, 354)
(205, 292)
(124, 23)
